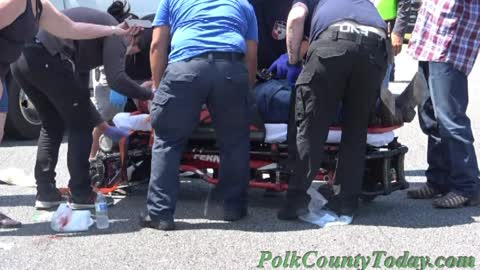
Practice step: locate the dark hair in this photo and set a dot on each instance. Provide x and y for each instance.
(144, 39)
(120, 10)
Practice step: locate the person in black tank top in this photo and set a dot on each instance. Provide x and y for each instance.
(19, 24)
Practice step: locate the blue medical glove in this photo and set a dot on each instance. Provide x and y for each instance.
(280, 67)
(292, 73)
(116, 134)
(117, 100)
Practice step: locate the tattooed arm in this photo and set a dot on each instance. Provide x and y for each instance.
(295, 26)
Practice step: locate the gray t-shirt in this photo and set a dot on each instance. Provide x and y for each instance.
(88, 54)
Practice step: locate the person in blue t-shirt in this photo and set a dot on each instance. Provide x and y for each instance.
(213, 61)
(345, 63)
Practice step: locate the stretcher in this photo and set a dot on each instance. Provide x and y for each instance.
(127, 163)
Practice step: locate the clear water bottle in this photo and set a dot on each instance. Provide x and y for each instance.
(101, 211)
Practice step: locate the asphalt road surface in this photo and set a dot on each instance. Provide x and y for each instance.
(392, 223)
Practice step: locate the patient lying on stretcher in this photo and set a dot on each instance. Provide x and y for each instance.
(272, 104)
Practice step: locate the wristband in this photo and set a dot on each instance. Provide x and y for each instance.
(113, 30)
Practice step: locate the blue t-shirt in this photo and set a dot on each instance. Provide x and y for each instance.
(323, 13)
(199, 26)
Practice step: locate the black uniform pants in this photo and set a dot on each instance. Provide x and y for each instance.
(336, 71)
(219, 80)
(63, 102)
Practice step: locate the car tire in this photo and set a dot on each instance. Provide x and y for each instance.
(22, 119)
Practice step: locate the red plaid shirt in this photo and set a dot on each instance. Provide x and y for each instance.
(447, 31)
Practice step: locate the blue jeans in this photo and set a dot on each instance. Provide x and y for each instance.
(451, 155)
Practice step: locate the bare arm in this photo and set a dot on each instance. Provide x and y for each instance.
(401, 23)
(295, 26)
(251, 61)
(1, 89)
(61, 26)
(10, 10)
(159, 53)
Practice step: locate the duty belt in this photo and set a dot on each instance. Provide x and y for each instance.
(360, 35)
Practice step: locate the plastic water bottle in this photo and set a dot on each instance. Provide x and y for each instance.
(101, 211)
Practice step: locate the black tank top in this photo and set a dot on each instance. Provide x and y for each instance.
(14, 36)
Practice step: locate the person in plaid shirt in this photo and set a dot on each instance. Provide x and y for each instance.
(446, 43)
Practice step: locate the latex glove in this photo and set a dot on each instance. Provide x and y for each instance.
(292, 74)
(280, 67)
(115, 133)
(117, 100)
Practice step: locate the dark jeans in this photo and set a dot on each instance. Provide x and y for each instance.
(63, 102)
(336, 71)
(186, 86)
(451, 155)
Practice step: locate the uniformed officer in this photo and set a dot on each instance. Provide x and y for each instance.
(345, 63)
(213, 56)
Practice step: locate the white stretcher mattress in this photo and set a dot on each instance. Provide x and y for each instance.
(275, 133)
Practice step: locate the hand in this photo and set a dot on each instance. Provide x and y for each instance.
(292, 74)
(147, 84)
(397, 43)
(117, 100)
(280, 67)
(123, 29)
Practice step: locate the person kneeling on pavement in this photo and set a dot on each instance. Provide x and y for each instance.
(212, 61)
(346, 63)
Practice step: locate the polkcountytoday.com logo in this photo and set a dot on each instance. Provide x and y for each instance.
(377, 260)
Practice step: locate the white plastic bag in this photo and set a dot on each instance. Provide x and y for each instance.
(319, 216)
(317, 201)
(67, 220)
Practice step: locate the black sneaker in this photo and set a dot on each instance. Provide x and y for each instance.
(48, 200)
(234, 214)
(166, 224)
(87, 202)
